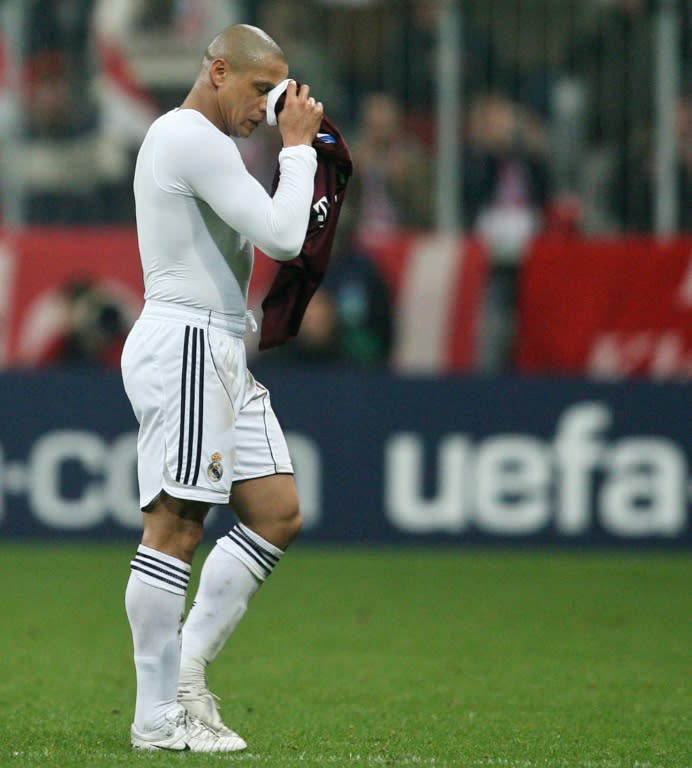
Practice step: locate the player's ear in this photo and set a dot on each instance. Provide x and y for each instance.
(218, 71)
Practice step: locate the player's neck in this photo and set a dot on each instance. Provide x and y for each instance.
(201, 98)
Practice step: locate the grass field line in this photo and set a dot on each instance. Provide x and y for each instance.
(559, 763)
(461, 762)
(391, 760)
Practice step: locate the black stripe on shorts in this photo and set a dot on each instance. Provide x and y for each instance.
(191, 407)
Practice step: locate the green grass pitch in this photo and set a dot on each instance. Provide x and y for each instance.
(367, 657)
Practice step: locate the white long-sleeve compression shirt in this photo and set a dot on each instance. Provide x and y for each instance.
(199, 213)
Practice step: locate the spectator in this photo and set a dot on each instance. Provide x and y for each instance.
(316, 342)
(362, 299)
(94, 330)
(71, 173)
(611, 58)
(415, 48)
(639, 214)
(505, 179)
(160, 40)
(391, 186)
(505, 182)
(68, 171)
(51, 27)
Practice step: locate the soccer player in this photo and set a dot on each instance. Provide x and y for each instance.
(206, 425)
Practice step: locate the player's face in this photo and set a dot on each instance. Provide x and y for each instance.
(243, 95)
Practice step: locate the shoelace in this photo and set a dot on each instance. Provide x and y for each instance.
(223, 729)
(215, 706)
(200, 691)
(181, 718)
(197, 728)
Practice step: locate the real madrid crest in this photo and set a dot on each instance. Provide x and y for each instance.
(215, 468)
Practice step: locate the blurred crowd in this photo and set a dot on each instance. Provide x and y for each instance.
(556, 128)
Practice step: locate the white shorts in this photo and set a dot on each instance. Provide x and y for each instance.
(204, 422)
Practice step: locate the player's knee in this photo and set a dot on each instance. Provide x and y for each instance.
(175, 526)
(187, 546)
(292, 518)
(286, 523)
(190, 529)
(293, 521)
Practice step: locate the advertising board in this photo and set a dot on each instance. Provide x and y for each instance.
(381, 459)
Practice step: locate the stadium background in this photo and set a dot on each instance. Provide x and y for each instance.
(512, 341)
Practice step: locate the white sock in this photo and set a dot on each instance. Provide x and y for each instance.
(155, 603)
(232, 573)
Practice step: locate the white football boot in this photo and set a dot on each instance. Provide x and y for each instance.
(204, 705)
(184, 732)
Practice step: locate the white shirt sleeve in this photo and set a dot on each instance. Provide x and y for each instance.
(199, 160)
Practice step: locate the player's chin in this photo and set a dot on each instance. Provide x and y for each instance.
(248, 128)
(241, 130)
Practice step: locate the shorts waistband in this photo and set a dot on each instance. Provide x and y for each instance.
(206, 318)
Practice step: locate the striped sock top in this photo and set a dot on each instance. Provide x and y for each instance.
(161, 570)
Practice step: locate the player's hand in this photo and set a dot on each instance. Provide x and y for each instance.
(301, 116)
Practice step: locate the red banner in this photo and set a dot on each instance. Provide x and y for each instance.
(611, 308)
(607, 307)
(38, 269)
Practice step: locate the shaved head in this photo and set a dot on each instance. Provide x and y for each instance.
(240, 66)
(243, 46)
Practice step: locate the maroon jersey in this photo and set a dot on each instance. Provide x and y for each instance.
(297, 280)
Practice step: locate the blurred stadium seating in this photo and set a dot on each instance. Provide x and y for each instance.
(567, 112)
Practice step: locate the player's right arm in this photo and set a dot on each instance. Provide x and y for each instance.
(197, 159)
